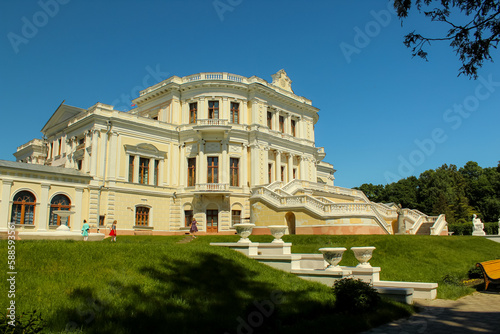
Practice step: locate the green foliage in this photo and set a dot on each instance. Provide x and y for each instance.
(457, 193)
(26, 323)
(355, 296)
(465, 228)
(471, 34)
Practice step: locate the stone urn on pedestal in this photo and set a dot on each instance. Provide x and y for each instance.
(63, 214)
(278, 231)
(363, 255)
(333, 256)
(244, 230)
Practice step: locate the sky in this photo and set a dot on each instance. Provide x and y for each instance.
(384, 115)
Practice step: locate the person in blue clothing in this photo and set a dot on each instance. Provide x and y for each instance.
(85, 230)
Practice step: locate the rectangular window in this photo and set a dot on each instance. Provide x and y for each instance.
(51, 150)
(270, 172)
(131, 168)
(294, 173)
(188, 217)
(293, 127)
(59, 148)
(191, 172)
(282, 124)
(235, 113)
(101, 220)
(141, 216)
(193, 112)
(157, 172)
(269, 120)
(235, 217)
(234, 166)
(213, 170)
(282, 173)
(79, 164)
(143, 170)
(213, 109)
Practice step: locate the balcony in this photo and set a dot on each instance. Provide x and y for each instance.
(212, 188)
(212, 125)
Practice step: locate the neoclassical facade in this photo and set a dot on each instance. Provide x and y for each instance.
(219, 147)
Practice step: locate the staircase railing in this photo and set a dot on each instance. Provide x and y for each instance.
(439, 225)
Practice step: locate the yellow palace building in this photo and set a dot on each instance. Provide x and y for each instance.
(219, 147)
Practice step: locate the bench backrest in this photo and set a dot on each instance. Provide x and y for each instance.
(491, 268)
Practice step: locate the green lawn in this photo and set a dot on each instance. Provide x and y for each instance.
(151, 284)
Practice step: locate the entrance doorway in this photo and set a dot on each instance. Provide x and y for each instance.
(212, 221)
(290, 222)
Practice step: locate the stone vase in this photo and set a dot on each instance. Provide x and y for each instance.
(363, 255)
(244, 231)
(333, 256)
(277, 231)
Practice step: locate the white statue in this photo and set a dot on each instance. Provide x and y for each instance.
(478, 226)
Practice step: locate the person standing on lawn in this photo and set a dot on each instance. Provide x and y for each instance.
(193, 228)
(112, 233)
(85, 230)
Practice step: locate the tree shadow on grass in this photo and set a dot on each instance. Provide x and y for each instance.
(212, 294)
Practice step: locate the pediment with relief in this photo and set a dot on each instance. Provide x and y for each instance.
(282, 80)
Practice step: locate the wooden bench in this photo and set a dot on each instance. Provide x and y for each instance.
(491, 271)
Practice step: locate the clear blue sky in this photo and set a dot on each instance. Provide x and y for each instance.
(383, 114)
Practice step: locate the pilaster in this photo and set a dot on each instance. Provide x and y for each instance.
(43, 213)
(5, 204)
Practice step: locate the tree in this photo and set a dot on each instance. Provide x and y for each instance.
(472, 40)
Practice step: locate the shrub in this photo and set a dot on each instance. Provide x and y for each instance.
(475, 272)
(466, 228)
(354, 296)
(27, 323)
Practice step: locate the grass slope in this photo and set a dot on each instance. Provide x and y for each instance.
(153, 285)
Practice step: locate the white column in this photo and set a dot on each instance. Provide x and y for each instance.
(244, 112)
(254, 167)
(112, 165)
(290, 167)
(202, 171)
(103, 155)
(135, 177)
(266, 164)
(302, 168)
(5, 204)
(94, 147)
(244, 167)
(175, 105)
(288, 123)
(224, 110)
(278, 166)
(202, 109)
(315, 170)
(76, 219)
(161, 166)
(225, 163)
(255, 112)
(43, 213)
(182, 166)
(151, 171)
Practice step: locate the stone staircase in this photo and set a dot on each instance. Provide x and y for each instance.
(310, 196)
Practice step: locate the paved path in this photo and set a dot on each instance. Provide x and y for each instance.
(476, 313)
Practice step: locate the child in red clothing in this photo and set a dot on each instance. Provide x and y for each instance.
(112, 234)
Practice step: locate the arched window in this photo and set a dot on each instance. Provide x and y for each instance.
(59, 202)
(141, 216)
(23, 208)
